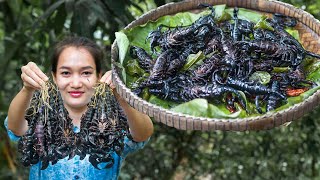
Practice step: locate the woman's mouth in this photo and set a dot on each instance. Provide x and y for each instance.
(75, 94)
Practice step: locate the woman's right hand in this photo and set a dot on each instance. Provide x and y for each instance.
(33, 78)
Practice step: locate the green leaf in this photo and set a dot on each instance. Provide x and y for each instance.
(294, 33)
(123, 45)
(263, 24)
(247, 14)
(280, 69)
(224, 17)
(221, 14)
(220, 112)
(308, 93)
(219, 11)
(145, 94)
(133, 68)
(15, 6)
(195, 107)
(201, 108)
(313, 69)
(54, 7)
(260, 77)
(315, 77)
(162, 103)
(193, 59)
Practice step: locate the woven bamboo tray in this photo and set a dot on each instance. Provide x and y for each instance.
(309, 31)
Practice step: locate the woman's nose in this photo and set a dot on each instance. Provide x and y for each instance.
(76, 82)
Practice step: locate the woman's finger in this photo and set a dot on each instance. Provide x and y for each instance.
(29, 82)
(28, 72)
(38, 71)
(34, 72)
(106, 77)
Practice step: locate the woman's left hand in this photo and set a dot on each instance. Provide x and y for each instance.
(107, 78)
(141, 126)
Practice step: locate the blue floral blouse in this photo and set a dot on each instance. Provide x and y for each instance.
(75, 168)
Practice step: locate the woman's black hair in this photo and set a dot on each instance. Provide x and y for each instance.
(78, 42)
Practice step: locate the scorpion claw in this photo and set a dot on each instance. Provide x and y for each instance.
(94, 161)
(45, 164)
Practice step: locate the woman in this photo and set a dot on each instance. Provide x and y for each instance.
(76, 68)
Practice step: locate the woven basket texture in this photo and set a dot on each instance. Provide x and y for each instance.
(309, 31)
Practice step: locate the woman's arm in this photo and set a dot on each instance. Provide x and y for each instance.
(32, 78)
(141, 126)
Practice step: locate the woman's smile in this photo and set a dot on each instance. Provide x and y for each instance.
(76, 94)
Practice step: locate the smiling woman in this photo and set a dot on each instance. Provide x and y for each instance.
(75, 76)
(76, 70)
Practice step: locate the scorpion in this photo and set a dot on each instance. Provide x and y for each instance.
(206, 69)
(181, 91)
(167, 64)
(240, 28)
(145, 60)
(181, 36)
(284, 52)
(264, 34)
(252, 88)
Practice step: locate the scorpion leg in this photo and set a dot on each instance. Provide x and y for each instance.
(272, 99)
(258, 108)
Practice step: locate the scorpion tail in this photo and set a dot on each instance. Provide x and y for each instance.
(313, 54)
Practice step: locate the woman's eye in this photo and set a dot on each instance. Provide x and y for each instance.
(87, 73)
(65, 73)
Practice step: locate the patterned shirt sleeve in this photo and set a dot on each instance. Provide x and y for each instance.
(11, 135)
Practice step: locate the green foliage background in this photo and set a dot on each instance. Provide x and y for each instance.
(28, 28)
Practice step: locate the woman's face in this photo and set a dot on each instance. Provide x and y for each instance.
(75, 77)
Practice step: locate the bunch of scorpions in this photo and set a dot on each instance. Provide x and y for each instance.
(51, 135)
(234, 50)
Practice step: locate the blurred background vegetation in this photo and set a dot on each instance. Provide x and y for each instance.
(28, 28)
